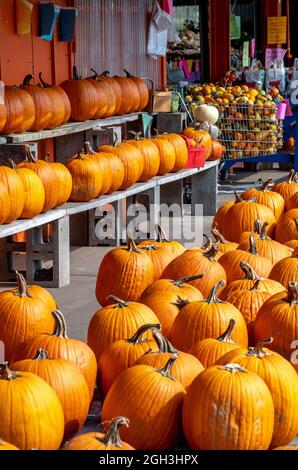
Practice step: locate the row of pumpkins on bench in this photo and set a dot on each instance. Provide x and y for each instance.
(36, 186)
(43, 106)
(187, 315)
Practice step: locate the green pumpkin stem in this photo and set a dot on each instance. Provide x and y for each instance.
(167, 370)
(41, 355)
(112, 436)
(258, 350)
(119, 302)
(22, 288)
(61, 326)
(293, 293)
(6, 373)
(137, 337)
(185, 280)
(250, 273)
(226, 337)
(164, 345)
(212, 298)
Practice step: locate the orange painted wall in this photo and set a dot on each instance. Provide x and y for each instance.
(29, 54)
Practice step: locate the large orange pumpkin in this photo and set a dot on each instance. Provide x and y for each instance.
(103, 100)
(4, 203)
(150, 155)
(67, 381)
(194, 262)
(267, 247)
(130, 97)
(186, 367)
(231, 262)
(228, 397)
(285, 271)
(31, 413)
(268, 198)
(14, 189)
(3, 116)
(99, 441)
(278, 319)
(181, 150)
(137, 388)
(209, 350)
(42, 103)
(220, 216)
(282, 381)
(20, 111)
(6, 446)
(292, 203)
(207, 319)
(64, 187)
(60, 346)
(47, 175)
(82, 96)
(116, 91)
(60, 105)
(287, 227)
(87, 180)
(143, 90)
(115, 322)
(125, 272)
(179, 287)
(167, 156)
(122, 354)
(287, 188)
(131, 158)
(160, 256)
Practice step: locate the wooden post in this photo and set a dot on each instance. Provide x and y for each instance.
(220, 43)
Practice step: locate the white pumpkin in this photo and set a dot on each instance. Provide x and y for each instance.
(206, 113)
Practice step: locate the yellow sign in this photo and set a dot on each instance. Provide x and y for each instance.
(277, 30)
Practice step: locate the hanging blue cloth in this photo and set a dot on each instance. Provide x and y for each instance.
(68, 18)
(48, 14)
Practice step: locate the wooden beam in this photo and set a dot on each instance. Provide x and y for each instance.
(220, 43)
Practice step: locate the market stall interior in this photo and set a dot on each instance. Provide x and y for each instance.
(148, 225)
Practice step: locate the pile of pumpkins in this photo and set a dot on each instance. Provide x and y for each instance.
(30, 107)
(197, 345)
(35, 186)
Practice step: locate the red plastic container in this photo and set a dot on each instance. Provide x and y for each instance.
(196, 156)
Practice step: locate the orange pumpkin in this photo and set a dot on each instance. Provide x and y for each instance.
(287, 188)
(64, 187)
(20, 111)
(115, 90)
(287, 227)
(42, 104)
(58, 111)
(14, 190)
(87, 180)
(217, 150)
(224, 245)
(167, 156)
(292, 203)
(103, 103)
(181, 150)
(268, 198)
(4, 203)
(202, 138)
(179, 287)
(285, 271)
(143, 90)
(150, 155)
(130, 100)
(3, 116)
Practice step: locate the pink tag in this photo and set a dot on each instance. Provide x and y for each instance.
(289, 111)
(252, 48)
(185, 68)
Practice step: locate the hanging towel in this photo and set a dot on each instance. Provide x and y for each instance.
(23, 16)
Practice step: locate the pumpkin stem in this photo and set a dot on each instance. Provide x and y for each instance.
(250, 273)
(27, 79)
(119, 302)
(6, 373)
(75, 73)
(137, 135)
(212, 252)
(22, 288)
(218, 236)
(42, 82)
(181, 303)
(226, 336)
(12, 164)
(161, 235)
(106, 73)
(112, 436)
(88, 149)
(95, 76)
(208, 243)
(293, 293)
(212, 298)
(296, 223)
(28, 154)
(164, 345)
(150, 248)
(291, 177)
(233, 368)
(128, 74)
(237, 198)
(258, 349)
(132, 247)
(185, 280)
(41, 355)
(252, 245)
(256, 286)
(136, 338)
(265, 186)
(258, 226)
(61, 327)
(263, 234)
(167, 370)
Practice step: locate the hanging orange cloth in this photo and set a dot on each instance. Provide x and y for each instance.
(23, 16)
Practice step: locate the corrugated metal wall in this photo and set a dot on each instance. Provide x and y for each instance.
(112, 35)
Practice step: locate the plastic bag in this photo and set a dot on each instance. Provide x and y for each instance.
(276, 76)
(255, 75)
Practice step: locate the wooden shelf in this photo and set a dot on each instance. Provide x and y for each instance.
(68, 129)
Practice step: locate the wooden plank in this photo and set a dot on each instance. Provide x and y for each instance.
(22, 225)
(71, 128)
